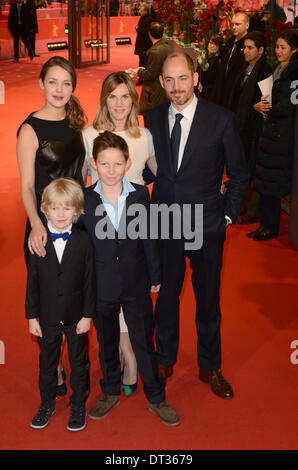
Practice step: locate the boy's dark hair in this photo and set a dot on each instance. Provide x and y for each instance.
(258, 38)
(156, 30)
(107, 140)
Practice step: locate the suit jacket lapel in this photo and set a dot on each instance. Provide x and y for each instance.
(165, 138)
(197, 132)
(131, 199)
(68, 247)
(97, 201)
(51, 251)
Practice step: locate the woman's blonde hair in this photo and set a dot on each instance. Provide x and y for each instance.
(103, 120)
(65, 190)
(74, 112)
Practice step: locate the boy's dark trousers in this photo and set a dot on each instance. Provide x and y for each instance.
(139, 319)
(50, 350)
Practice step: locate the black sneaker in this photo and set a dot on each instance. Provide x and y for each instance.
(77, 419)
(42, 417)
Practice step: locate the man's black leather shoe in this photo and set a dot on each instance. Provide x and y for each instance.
(252, 234)
(264, 234)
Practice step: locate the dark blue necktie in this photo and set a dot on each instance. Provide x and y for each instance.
(175, 140)
(64, 235)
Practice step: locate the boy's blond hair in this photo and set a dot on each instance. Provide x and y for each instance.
(65, 190)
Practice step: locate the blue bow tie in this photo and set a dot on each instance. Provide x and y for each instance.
(64, 235)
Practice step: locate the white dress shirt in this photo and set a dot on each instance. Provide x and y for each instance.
(59, 244)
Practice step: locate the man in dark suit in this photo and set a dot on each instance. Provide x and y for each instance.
(143, 41)
(246, 93)
(34, 30)
(20, 23)
(152, 92)
(234, 58)
(194, 141)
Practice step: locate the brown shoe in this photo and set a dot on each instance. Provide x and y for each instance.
(165, 413)
(103, 406)
(164, 372)
(218, 383)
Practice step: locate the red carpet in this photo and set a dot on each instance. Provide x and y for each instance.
(259, 304)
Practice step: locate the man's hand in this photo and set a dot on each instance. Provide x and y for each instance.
(34, 327)
(263, 106)
(133, 72)
(155, 288)
(83, 326)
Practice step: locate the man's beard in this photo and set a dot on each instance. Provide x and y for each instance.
(180, 99)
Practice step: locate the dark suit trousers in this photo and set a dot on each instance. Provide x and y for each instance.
(31, 41)
(138, 316)
(16, 39)
(270, 212)
(50, 350)
(206, 266)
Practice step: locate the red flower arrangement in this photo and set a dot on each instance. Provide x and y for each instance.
(191, 24)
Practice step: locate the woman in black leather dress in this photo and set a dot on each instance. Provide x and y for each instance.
(49, 146)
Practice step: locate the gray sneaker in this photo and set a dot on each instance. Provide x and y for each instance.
(165, 413)
(104, 406)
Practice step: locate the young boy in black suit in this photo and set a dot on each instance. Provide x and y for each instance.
(126, 266)
(60, 298)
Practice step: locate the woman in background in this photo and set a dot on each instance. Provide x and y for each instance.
(275, 156)
(209, 70)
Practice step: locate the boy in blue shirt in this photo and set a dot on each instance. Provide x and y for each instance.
(126, 268)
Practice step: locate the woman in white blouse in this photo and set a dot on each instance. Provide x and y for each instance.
(118, 112)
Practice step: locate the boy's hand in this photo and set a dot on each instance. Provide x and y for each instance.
(155, 288)
(34, 327)
(83, 326)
